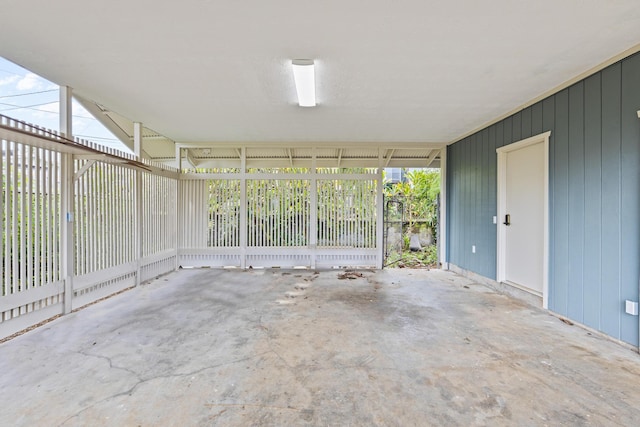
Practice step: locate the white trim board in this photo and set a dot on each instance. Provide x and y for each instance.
(442, 221)
(501, 209)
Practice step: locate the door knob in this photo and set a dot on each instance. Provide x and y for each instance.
(507, 219)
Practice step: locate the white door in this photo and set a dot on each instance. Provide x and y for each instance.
(523, 219)
(522, 226)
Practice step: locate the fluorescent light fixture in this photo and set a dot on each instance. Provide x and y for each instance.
(305, 78)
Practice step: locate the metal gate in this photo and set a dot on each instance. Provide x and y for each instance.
(401, 227)
(393, 223)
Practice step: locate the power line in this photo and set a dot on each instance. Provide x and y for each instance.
(23, 74)
(11, 72)
(78, 135)
(32, 107)
(30, 93)
(28, 107)
(98, 138)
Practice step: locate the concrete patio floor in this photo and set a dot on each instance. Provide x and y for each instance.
(282, 348)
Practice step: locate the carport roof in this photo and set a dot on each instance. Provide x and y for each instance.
(388, 73)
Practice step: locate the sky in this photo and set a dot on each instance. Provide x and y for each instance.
(28, 97)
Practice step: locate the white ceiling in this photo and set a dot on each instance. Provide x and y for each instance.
(387, 71)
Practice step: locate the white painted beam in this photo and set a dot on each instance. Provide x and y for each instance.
(67, 246)
(179, 158)
(389, 156)
(137, 150)
(66, 118)
(399, 145)
(84, 168)
(380, 213)
(155, 137)
(137, 139)
(442, 221)
(104, 118)
(190, 159)
(243, 208)
(107, 158)
(431, 157)
(313, 220)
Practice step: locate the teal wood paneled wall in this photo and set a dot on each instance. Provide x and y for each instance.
(594, 196)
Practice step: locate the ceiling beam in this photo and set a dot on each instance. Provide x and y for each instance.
(157, 137)
(103, 117)
(389, 156)
(432, 156)
(190, 159)
(317, 144)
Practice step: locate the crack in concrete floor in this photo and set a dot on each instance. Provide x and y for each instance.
(142, 381)
(211, 347)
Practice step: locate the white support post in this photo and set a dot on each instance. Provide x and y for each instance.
(313, 215)
(177, 207)
(243, 208)
(137, 140)
(442, 221)
(67, 202)
(137, 150)
(179, 158)
(380, 212)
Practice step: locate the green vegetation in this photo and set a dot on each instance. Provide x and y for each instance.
(427, 257)
(413, 206)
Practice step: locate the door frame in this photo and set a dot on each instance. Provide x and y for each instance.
(501, 209)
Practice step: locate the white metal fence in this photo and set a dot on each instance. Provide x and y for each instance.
(80, 222)
(159, 225)
(275, 218)
(347, 213)
(278, 213)
(123, 224)
(30, 209)
(105, 206)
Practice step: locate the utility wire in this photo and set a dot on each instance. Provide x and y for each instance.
(11, 72)
(30, 93)
(32, 107)
(17, 107)
(28, 107)
(97, 137)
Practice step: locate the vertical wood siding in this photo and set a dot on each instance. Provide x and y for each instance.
(594, 196)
